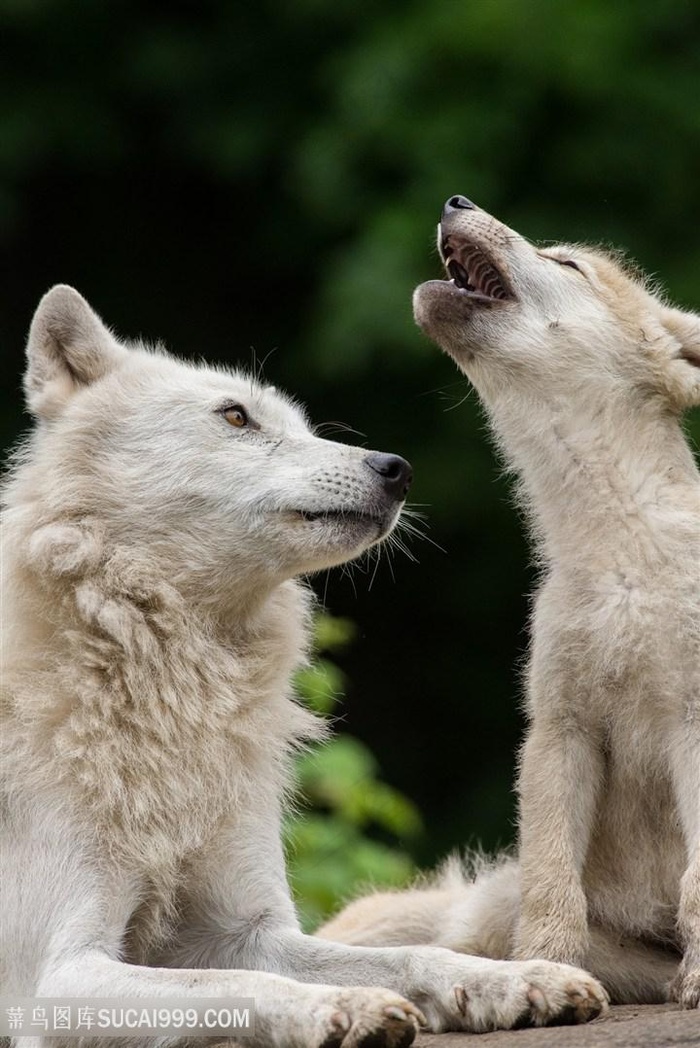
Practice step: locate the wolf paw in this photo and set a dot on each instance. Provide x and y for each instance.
(530, 993)
(559, 993)
(685, 988)
(372, 1018)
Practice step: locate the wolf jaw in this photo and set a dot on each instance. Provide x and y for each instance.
(472, 269)
(350, 516)
(350, 525)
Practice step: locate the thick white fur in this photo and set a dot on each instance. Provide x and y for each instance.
(152, 625)
(585, 376)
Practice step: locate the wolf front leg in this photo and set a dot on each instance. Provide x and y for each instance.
(686, 766)
(287, 1014)
(64, 924)
(238, 914)
(561, 770)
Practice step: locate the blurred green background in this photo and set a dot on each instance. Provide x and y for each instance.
(262, 181)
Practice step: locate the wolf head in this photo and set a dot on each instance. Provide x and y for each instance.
(209, 469)
(552, 321)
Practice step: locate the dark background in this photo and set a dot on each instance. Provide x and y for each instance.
(239, 179)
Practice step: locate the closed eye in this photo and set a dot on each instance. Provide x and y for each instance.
(562, 262)
(566, 262)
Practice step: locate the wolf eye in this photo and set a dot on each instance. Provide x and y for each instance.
(568, 262)
(235, 415)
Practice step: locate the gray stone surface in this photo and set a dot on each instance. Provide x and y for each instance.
(625, 1026)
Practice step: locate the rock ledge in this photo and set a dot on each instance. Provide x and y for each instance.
(625, 1026)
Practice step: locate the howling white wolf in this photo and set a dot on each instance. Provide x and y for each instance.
(584, 372)
(154, 524)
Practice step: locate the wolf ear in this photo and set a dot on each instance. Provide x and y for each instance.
(68, 347)
(685, 329)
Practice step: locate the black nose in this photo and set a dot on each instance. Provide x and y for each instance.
(457, 203)
(396, 473)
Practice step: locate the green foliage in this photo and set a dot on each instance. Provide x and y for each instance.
(342, 800)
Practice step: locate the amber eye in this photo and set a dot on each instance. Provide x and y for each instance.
(235, 416)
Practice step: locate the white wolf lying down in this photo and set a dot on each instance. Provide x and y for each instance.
(154, 523)
(584, 373)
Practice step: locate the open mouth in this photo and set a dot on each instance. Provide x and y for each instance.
(472, 272)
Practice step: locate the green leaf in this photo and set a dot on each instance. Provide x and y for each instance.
(329, 861)
(330, 856)
(321, 685)
(333, 633)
